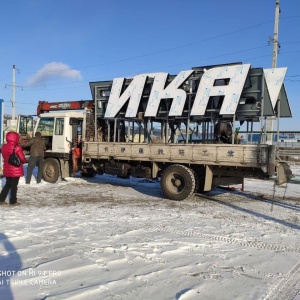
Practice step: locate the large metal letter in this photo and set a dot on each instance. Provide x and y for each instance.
(159, 91)
(133, 91)
(232, 92)
(274, 80)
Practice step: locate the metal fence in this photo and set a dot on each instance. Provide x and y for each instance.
(287, 144)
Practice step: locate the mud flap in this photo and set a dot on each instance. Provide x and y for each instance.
(284, 173)
(65, 168)
(208, 179)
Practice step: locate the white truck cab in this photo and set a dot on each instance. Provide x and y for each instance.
(58, 129)
(62, 132)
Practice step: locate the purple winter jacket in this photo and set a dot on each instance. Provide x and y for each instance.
(12, 139)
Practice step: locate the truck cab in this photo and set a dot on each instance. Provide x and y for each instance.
(62, 132)
(59, 130)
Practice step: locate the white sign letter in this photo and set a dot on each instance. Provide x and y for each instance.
(159, 92)
(274, 80)
(133, 91)
(236, 74)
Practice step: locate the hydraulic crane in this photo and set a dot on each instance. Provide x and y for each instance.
(45, 106)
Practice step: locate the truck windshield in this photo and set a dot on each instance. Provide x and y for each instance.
(45, 126)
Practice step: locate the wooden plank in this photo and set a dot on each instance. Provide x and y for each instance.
(211, 154)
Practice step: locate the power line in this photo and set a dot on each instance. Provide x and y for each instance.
(163, 50)
(172, 48)
(26, 89)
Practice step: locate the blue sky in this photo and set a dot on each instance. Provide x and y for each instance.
(96, 40)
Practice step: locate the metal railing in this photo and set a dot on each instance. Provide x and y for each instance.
(287, 145)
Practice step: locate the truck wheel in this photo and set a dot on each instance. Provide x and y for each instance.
(197, 181)
(51, 171)
(178, 182)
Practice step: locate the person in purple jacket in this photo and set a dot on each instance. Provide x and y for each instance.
(10, 172)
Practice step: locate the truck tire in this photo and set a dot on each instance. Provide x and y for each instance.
(51, 170)
(178, 182)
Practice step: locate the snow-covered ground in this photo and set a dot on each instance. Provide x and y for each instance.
(111, 238)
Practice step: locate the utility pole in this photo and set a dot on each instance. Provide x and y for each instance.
(275, 38)
(276, 46)
(13, 97)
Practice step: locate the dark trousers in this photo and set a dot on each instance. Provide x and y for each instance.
(12, 186)
(32, 162)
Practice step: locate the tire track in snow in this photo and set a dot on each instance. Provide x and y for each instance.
(288, 288)
(252, 244)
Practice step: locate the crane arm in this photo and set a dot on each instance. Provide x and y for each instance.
(45, 106)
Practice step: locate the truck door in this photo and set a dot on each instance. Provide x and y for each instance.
(54, 132)
(25, 127)
(76, 128)
(57, 133)
(45, 126)
(60, 137)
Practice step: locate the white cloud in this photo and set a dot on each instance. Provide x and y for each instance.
(53, 70)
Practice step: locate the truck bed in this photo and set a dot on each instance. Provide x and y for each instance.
(256, 156)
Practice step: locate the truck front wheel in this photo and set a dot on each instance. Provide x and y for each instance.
(178, 182)
(51, 171)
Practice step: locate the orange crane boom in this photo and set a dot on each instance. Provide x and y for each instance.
(45, 106)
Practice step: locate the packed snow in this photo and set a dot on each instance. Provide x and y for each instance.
(112, 238)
